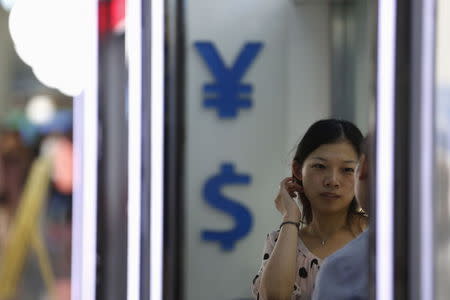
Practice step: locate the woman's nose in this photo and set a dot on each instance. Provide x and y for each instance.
(332, 180)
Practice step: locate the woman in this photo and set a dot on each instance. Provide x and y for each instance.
(323, 179)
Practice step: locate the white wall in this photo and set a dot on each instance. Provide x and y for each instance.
(290, 78)
(365, 65)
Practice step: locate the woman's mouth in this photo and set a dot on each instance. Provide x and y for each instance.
(330, 195)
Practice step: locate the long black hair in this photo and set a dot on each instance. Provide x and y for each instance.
(328, 131)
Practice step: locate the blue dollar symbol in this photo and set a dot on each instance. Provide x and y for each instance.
(228, 94)
(242, 217)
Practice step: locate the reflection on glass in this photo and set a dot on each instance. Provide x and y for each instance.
(252, 88)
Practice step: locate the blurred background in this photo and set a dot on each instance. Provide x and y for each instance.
(35, 227)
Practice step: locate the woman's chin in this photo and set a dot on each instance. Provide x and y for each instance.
(331, 209)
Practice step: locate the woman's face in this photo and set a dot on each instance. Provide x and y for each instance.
(328, 177)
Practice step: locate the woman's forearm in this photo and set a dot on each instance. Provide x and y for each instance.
(278, 277)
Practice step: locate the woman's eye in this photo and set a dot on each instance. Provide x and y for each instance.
(349, 170)
(318, 166)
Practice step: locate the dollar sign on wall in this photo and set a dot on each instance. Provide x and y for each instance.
(241, 214)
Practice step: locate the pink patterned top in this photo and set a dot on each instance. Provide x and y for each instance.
(307, 265)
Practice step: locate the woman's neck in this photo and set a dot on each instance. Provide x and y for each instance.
(326, 225)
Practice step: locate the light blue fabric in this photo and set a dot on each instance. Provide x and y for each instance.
(345, 273)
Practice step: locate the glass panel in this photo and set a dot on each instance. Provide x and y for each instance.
(35, 160)
(257, 76)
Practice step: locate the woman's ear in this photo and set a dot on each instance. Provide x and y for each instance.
(297, 171)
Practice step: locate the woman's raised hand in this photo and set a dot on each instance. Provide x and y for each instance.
(285, 202)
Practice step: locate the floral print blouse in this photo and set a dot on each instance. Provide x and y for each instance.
(307, 265)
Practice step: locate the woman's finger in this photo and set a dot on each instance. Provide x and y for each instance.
(294, 187)
(285, 181)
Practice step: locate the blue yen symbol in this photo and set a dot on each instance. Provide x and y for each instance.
(227, 94)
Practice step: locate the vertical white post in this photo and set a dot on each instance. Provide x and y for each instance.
(133, 38)
(422, 195)
(84, 217)
(157, 149)
(385, 149)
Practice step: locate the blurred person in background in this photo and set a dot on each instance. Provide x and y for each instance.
(15, 162)
(54, 218)
(58, 219)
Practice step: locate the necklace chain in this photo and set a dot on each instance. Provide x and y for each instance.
(322, 240)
